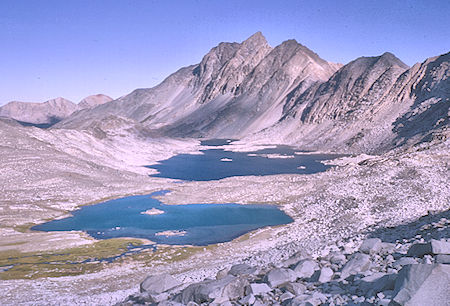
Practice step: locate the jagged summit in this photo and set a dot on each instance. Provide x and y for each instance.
(255, 40)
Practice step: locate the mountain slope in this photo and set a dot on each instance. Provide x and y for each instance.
(47, 112)
(428, 88)
(258, 101)
(353, 90)
(50, 112)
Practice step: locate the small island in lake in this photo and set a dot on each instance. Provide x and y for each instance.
(171, 233)
(153, 211)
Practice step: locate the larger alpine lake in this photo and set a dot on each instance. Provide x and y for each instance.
(194, 224)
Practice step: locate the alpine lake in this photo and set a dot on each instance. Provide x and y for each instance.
(193, 224)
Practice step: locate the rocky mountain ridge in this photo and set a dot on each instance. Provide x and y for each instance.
(49, 112)
(369, 105)
(235, 90)
(288, 94)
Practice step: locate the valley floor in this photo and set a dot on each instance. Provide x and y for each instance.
(45, 176)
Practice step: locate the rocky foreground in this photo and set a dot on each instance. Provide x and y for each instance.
(414, 270)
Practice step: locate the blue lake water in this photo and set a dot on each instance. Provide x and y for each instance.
(200, 224)
(203, 223)
(215, 164)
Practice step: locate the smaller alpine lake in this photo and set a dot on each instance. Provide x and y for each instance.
(146, 217)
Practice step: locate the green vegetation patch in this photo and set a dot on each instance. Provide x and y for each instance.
(71, 261)
(24, 228)
(85, 259)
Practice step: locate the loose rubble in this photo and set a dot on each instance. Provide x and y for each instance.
(406, 272)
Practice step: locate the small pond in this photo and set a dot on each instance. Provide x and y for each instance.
(146, 217)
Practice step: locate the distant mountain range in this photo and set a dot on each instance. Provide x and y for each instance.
(49, 112)
(288, 94)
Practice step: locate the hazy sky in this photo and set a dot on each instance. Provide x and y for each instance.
(74, 48)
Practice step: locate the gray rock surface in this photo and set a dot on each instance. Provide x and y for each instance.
(419, 249)
(229, 287)
(443, 259)
(377, 282)
(248, 300)
(403, 261)
(257, 289)
(278, 277)
(372, 245)
(433, 247)
(357, 263)
(295, 288)
(440, 246)
(242, 269)
(155, 284)
(305, 268)
(423, 285)
(325, 275)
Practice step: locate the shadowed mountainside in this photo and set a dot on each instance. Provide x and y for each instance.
(370, 105)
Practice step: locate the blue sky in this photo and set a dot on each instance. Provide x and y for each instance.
(74, 48)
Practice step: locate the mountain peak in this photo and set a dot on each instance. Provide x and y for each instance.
(393, 60)
(94, 100)
(256, 39)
